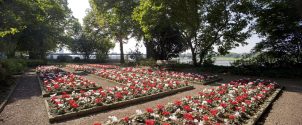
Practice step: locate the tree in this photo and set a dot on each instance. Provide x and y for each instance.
(36, 26)
(89, 38)
(202, 23)
(166, 42)
(115, 17)
(280, 24)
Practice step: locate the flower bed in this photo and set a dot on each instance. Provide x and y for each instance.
(103, 66)
(193, 77)
(137, 79)
(80, 67)
(46, 69)
(86, 102)
(239, 102)
(53, 80)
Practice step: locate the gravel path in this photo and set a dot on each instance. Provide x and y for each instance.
(27, 107)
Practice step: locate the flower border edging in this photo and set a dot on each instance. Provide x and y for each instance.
(253, 120)
(113, 105)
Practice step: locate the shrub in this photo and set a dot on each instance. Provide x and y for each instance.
(147, 62)
(34, 63)
(13, 66)
(64, 58)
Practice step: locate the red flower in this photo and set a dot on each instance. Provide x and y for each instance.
(165, 113)
(214, 112)
(150, 110)
(98, 100)
(232, 117)
(178, 103)
(118, 95)
(166, 124)
(74, 105)
(187, 108)
(149, 122)
(205, 118)
(209, 101)
(56, 86)
(126, 119)
(223, 105)
(97, 123)
(188, 116)
(160, 107)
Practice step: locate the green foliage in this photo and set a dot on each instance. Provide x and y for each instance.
(3, 74)
(34, 27)
(115, 17)
(280, 23)
(90, 38)
(35, 62)
(202, 23)
(13, 66)
(147, 62)
(64, 58)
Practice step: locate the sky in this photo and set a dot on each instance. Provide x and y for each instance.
(79, 7)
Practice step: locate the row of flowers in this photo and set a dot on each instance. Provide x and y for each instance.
(139, 79)
(80, 67)
(56, 80)
(102, 66)
(76, 101)
(232, 103)
(194, 77)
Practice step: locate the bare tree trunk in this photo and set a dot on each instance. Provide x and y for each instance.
(122, 61)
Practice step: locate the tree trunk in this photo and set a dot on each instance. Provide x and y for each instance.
(194, 59)
(122, 61)
(149, 49)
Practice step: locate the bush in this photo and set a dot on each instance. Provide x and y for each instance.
(147, 62)
(3, 74)
(34, 63)
(13, 66)
(64, 58)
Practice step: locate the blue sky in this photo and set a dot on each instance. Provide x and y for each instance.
(79, 8)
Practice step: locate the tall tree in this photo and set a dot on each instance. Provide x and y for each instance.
(37, 26)
(89, 38)
(203, 23)
(115, 16)
(280, 23)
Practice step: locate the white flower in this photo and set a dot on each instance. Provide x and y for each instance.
(195, 120)
(113, 118)
(139, 112)
(204, 102)
(200, 123)
(173, 117)
(237, 114)
(61, 105)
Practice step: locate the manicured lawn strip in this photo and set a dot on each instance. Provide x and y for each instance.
(53, 118)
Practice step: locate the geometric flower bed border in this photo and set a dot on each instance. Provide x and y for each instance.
(253, 120)
(113, 105)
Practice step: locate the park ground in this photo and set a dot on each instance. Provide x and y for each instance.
(26, 106)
